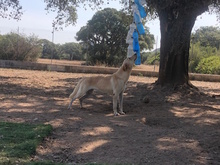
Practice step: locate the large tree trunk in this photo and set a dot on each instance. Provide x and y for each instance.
(175, 43)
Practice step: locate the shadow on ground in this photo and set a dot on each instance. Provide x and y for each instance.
(173, 128)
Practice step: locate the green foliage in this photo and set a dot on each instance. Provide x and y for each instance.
(49, 49)
(19, 47)
(199, 52)
(209, 65)
(144, 56)
(18, 141)
(203, 50)
(23, 48)
(151, 58)
(67, 51)
(71, 51)
(147, 40)
(103, 38)
(207, 36)
(195, 55)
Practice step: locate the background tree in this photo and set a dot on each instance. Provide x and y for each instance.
(151, 58)
(146, 41)
(198, 53)
(71, 51)
(19, 47)
(204, 51)
(104, 37)
(207, 36)
(49, 49)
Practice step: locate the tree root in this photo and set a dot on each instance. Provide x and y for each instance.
(169, 92)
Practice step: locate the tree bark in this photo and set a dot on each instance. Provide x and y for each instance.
(176, 30)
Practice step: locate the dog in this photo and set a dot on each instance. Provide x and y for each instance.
(114, 85)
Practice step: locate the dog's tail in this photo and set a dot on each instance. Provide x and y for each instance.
(75, 89)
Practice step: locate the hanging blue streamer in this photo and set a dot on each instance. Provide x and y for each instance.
(138, 23)
(136, 46)
(138, 13)
(141, 9)
(138, 60)
(140, 28)
(137, 19)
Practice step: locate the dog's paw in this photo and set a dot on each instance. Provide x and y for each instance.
(116, 114)
(122, 113)
(69, 108)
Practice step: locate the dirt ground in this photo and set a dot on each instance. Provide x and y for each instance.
(172, 128)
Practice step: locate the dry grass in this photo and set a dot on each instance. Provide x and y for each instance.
(67, 62)
(59, 62)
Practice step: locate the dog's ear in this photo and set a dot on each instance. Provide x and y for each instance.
(125, 67)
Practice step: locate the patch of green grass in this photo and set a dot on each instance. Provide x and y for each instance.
(18, 141)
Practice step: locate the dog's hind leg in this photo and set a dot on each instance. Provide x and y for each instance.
(73, 98)
(89, 92)
(78, 92)
(71, 102)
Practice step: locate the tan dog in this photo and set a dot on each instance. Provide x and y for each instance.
(113, 85)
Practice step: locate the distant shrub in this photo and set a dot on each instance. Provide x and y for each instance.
(150, 58)
(153, 60)
(209, 65)
(19, 47)
(197, 53)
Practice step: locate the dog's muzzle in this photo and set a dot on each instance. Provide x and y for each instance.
(135, 56)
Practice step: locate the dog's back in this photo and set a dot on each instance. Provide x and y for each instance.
(99, 83)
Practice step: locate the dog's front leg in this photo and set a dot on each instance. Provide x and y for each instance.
(115, 97)
(121, 103)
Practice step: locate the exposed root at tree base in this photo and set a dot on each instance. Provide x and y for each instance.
(170, 93)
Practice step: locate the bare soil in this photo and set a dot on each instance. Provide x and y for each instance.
(161, 126)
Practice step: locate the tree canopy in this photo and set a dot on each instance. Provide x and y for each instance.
(104, 37)
(72, 50)
(68, 51)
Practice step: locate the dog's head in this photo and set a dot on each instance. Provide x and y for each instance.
(129, 62)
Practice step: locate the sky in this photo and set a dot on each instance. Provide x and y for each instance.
(36, 20)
